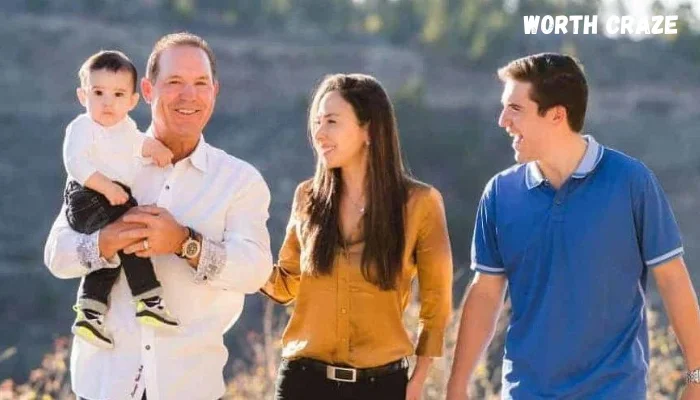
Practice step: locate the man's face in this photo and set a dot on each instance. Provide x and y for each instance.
(108, 96)
(183, 95)
(520, 119)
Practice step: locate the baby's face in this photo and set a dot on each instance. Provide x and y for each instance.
(108, 96)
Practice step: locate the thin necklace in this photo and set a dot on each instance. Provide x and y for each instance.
(359, 208)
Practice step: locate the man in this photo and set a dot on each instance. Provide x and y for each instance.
(573, 231)
(206, 235)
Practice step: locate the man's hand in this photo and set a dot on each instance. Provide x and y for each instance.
(456, 390)
(160, 232)
(110, 240)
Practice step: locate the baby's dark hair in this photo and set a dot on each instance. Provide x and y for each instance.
(111, 60)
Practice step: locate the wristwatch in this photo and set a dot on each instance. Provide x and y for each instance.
(192, 246)
(693, 376)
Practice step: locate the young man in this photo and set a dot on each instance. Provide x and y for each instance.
(573, 231)
(207, 238)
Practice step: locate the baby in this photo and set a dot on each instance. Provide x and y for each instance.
(102, 151)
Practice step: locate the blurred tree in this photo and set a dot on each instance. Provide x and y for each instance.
(410, 94)
(182, 9)
(244, 14)
(276, 12)
(435, 20)
(330, 16)
(657, 7)
(37, 5)
(687, 41)
(94, 6)
(479, 24)
(402, 19)
(373, 23)
(478, 30)
(560, 7)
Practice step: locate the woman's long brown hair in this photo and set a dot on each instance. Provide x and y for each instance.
(386, 190)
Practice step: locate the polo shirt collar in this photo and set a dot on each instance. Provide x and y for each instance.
(594, 153)
(591, 159)
(533, 175)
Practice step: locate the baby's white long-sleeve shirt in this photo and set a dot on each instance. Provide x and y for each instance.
(114, 151)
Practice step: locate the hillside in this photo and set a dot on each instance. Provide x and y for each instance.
(447, 116)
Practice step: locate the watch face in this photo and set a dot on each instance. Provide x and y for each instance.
(192, 249)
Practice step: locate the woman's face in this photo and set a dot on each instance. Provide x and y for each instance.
(338, 138)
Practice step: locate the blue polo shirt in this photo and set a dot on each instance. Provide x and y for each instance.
(576, 260)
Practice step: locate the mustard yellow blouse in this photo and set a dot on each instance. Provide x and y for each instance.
(342, 318)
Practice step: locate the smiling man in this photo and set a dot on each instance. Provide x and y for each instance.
(573, 230)
(206, 235)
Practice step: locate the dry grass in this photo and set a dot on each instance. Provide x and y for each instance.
(254, 378)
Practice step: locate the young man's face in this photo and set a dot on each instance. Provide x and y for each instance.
(183, 95)
(108, 96)
(520, 119)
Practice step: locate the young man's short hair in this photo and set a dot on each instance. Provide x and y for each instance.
(557, 80)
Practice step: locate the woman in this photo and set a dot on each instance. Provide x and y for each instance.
(359, 232)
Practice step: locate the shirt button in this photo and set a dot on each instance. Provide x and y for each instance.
(344, 311)
(167, 187)
(557, 202)
(148, 347)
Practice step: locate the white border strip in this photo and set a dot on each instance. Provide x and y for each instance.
(639, 343)
(484, 268)
(664, 257)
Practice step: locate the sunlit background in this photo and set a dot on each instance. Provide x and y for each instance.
(437, 58)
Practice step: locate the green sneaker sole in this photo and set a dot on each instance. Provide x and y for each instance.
(154, 321)
(89, 335)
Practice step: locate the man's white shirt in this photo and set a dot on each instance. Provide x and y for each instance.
(225, 199)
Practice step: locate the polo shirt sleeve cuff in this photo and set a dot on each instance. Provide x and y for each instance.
(662, 259)
(487, 270)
